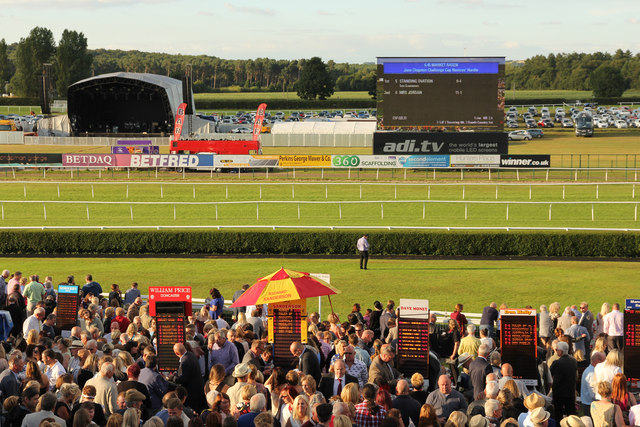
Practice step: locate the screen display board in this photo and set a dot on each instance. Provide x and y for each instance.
(518, 338)
(441, 92)
(170, 318)
(287, 322)
(632, 339)
(413, 337)
(67, 308)
(440, 143)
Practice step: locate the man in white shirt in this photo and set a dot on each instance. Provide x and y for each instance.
(363, 247)
(34, 321)
(614, 328)
(587, 395)
(54, 368)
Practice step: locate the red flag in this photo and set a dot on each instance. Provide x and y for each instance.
(257, 126)
(177, 128)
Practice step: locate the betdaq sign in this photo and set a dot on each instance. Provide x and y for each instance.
(138, 160)
(440, 143)
(525, 161)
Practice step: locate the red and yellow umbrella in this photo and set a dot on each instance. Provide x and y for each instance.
(284, 285)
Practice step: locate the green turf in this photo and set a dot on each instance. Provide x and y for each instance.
(331, 207)
(474, 283)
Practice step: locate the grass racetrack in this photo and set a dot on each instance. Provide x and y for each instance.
(444, 283)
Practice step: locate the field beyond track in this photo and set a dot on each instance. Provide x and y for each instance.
(444, 283)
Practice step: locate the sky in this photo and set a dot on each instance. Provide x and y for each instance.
(353, 31)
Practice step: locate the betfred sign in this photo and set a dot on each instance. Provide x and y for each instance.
(168, 294)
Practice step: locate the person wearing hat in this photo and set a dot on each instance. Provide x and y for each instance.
(573, 421)
(478, 421)
(564, 372)
(133, 399)
(531, 402)
(241, 374)
(464, 380)
(540, 417)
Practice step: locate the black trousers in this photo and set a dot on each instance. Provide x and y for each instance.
(364, 259)
(564, 405)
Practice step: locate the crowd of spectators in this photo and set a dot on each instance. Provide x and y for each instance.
(104, 371)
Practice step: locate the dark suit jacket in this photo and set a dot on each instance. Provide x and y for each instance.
(8, 384)
(189, 377)
(250, 358)
(310, 365)
(564, 372)
(478, 371)
(586, 320)
(327, 382)
(408, 407)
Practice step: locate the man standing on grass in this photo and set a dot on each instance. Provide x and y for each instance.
(363, 247)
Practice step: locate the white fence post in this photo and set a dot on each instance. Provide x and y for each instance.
(563, 190)
(131, 211)
(58, 191)
(424, 210)
(44, 208)
(174, 212)
(88, 212)
(465, 210)
(597, 191)
(257, 211)
(194, 191)
(92, 194)
(592, 214)
(340, 210)
(507, 211)
(496, 192)
(226, 191)
(381, 211)
(298, 210)
(549, 211)
(127, 191)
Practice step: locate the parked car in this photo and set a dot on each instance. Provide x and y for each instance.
(241, 129)
(536, 133)
(520, 135)
(621, 124)
(545, 123)
(601, 124)
(567, 123)
(512, 124)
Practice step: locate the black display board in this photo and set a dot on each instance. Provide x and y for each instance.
(632, 339)
(413, 346)
(390, 143)
(170, 318)
(518, 339)
(31, 158)
(287, 322)
(441, 92)
(67, 307)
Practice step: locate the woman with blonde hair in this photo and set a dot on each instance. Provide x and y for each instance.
(69, 393)
(601, 344)
(309, 389)
(131, 418)
(428, 417)
(350, 393)
(341, 421)
(603, 412)
(242, 320)
(301, 412)
(456, 419)
(554, 313)
(33, 337)
(88, 370)
(605, 371)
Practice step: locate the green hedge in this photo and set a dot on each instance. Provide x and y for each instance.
(410, 243)
(19, 101)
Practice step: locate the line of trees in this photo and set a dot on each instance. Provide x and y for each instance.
(21, 64)
(575, 71)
